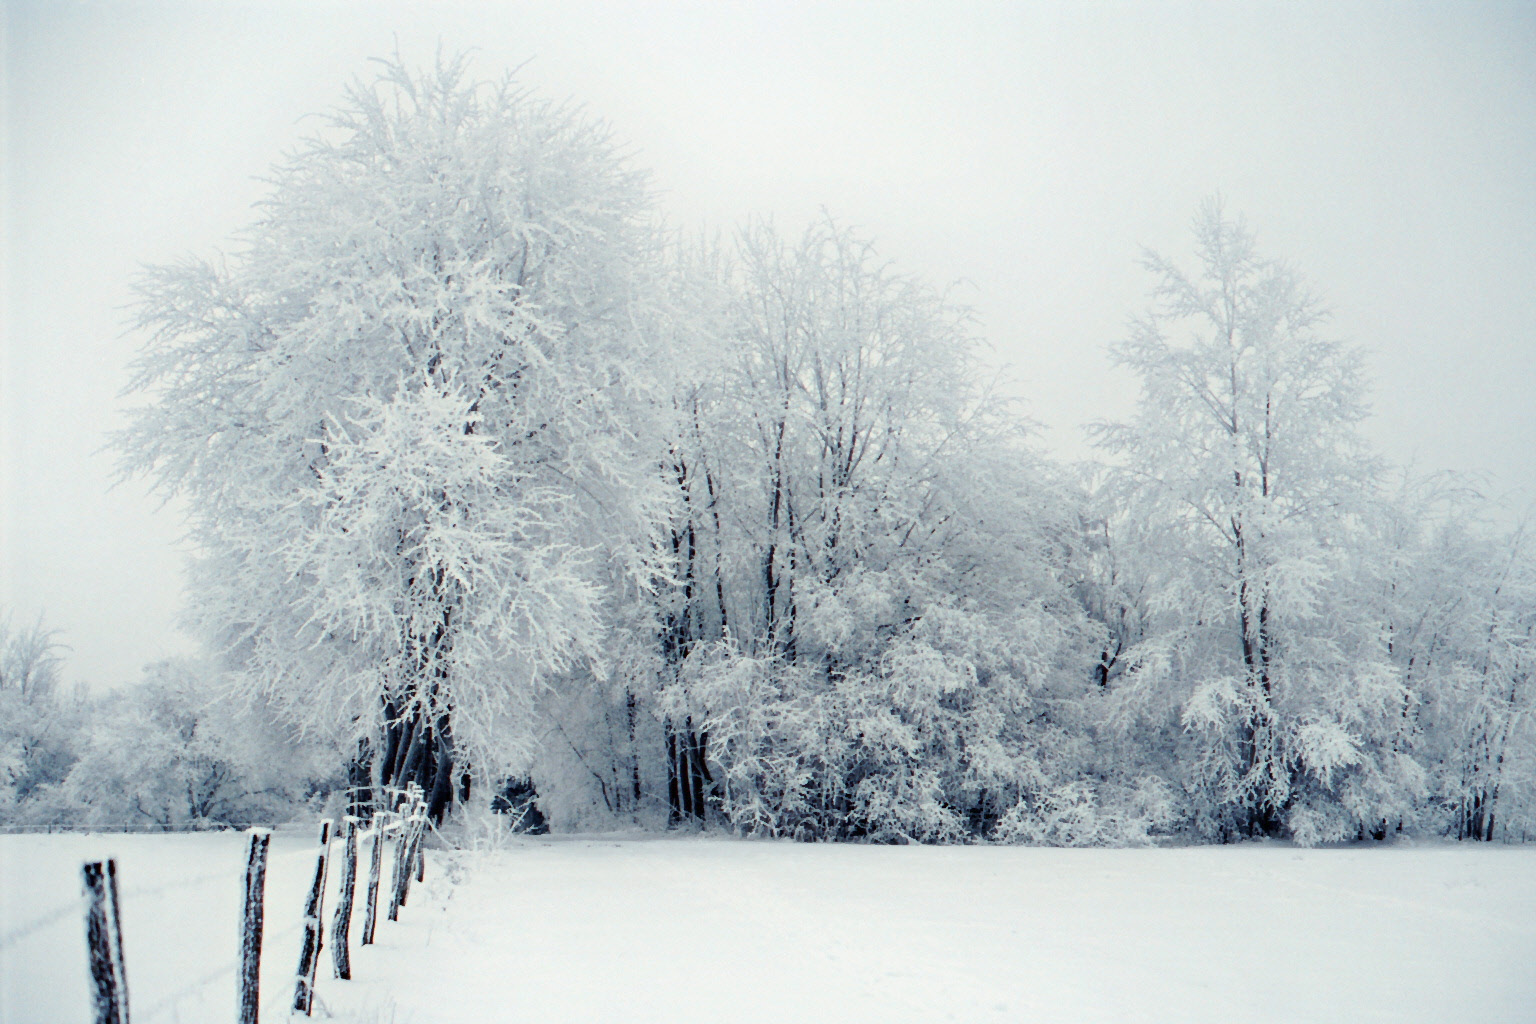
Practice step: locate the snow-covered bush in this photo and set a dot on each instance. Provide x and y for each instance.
(39, 725)
(173, 752)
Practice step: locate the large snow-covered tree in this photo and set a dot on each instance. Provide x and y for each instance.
(411, 419)
(1244, 469)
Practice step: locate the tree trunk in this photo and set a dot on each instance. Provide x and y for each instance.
(360, 780)
(441, 791)
(690, 786)
(424, 755)
(630, 704)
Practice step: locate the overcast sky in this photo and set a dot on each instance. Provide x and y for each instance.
(1028, 151)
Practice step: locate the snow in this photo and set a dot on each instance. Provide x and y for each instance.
(706, 929)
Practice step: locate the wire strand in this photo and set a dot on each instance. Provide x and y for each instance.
(164, 1003)
(37, 924)
(172, 886)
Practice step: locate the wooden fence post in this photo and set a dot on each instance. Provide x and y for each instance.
(421, 835)
(341, 927)
(119, 962)
(375, 863)
(396, 900)
(411, 848)
(421, 853)
(251, 924)
(104, 943)
(309, 954)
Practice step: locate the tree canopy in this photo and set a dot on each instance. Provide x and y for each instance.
(493, 479)
(408, 413)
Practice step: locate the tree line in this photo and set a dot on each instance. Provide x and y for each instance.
(495, 479)
(170, 753)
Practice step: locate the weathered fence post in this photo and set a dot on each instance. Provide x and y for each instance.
(421, 853)
(375, 863)
(104, 943)
(341, 927)
(421, 834)
(411, 849)
(309, 954)
(397, 880)
(119, 962)
(251, 924)
(409, 853)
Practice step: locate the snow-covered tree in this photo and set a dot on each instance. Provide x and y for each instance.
(172, 752)
(866, 596)
(1459, 595)
(411, 417)
(38, 724)
(1245, 472)
(1486, 706)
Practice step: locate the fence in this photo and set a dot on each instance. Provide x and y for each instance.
(405, 822)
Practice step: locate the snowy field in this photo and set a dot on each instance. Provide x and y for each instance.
(701, 929)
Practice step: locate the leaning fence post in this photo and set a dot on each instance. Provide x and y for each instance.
(309, 954)
(251, 924)
(397, 881)
(104, 943)
(342, 925)
(421, 835)
(421, 853)
(408, 854)
(375, 863)
(411, 849)
(119, 962)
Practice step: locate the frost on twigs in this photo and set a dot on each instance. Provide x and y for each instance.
(1241, 485)
(406, 413)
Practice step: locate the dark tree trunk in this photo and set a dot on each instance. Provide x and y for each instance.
(631, 718)
(400, 732)
(423, 754)
(441, 790)
(674, 783)
(360, 781)
(417, 737)
(394, 739)
(690, 786)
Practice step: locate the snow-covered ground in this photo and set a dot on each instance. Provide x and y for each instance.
(704, 929)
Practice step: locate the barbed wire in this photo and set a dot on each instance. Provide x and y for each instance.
(292, 929)
(380, 829)
(37, 924)
(78, 905)
(165, 1003)
(135, 828)
(143, 891)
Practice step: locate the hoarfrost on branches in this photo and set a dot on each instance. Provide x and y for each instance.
(491, 478)
(1245, 467)
(407, 410)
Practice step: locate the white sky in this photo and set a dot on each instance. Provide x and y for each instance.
(1028, 150)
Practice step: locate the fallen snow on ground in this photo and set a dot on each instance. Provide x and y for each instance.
(708, 929)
